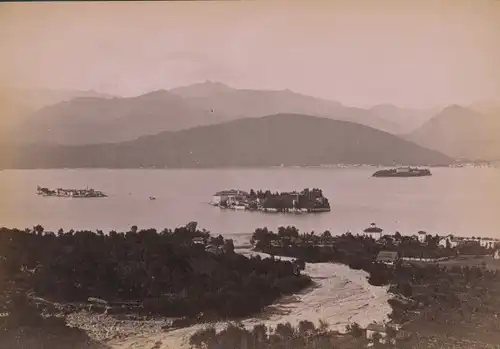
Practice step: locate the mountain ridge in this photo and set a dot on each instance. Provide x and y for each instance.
(93, 119)
(274, 140)
(461, 133)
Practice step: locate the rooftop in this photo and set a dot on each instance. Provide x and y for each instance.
(387, 256)
(231, 192)
(376, 327)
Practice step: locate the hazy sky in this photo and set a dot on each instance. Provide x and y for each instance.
(410, 53)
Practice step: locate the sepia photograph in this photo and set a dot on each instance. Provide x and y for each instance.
(260, 174)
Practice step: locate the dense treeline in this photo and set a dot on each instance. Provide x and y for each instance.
(459, 300)
(171, 273)
(307, 336)
(284, 336)
(351, 249)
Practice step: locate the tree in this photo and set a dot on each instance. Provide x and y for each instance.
(376, 337)
(203, 337)
(355, 330)
(397, 236)
(259, 332)
(323, 326)
(38, 229)
(326, 236)
(306, 327)
(285, 331)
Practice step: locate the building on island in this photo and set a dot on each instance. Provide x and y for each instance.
(373, 232)
(232, 195)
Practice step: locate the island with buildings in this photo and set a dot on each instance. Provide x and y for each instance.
(403, 172)
(306, 201)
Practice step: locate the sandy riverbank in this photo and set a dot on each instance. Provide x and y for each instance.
(341, 296)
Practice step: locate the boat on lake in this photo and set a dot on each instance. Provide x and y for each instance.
(403, 172)
(70, 193)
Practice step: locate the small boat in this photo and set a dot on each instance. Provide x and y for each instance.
(152, 198)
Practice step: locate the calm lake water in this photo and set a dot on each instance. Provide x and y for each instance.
(462, 201)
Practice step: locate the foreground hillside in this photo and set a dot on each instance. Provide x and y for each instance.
(462, 134)
(283, 139)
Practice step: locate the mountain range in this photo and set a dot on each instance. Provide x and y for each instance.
(97, 119)
(76, 118)
(461, 133)
(19, 106)
(282, 139)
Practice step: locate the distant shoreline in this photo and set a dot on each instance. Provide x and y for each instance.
(335, 166)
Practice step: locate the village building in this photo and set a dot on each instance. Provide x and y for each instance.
(448, 241)
(199, 240)
(383, 331)
(387, 257)
(487, 243)
(217, 250)
(232, 195)
(421, 236)
(373, 328)
(373, 232)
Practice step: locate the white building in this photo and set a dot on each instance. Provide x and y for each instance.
(225, 195)
(453, 242)
(421, 236)
(488, 243)
(496, 255)
(373, 231)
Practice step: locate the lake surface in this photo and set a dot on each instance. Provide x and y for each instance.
(462, 201)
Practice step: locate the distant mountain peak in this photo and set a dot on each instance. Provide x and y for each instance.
(457, 111)
(156, 94)
(384, 106)
(200, 89)
(456, 108)
(209, 84)
(214, 83)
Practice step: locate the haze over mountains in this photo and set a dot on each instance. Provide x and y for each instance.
(76, 118)
(95, 119)
(19, 105)
(461, 133)
(282, 139)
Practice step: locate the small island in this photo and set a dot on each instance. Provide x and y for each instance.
(70, 193)
(403, 172)
(306, 201)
